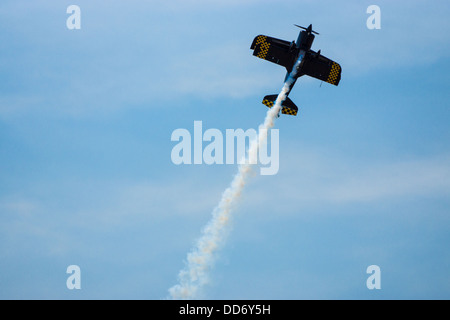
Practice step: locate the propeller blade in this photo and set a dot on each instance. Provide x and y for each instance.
(306, 29)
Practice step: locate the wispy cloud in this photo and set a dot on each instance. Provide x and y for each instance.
(221, 70)
(323, 179)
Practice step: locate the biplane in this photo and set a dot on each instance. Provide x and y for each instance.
(299, 60)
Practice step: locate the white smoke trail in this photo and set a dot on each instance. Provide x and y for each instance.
(201, 259)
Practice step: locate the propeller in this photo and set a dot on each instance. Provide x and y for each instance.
(309, 29)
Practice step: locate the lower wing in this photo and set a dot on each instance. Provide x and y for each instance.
(322, 68)
(274, 50)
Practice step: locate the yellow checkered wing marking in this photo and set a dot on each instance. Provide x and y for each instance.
(262, 47)
(334, 73)
(260, 39)
(289, 111)
(268, 103)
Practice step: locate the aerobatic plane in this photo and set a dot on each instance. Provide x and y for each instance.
(298, 59)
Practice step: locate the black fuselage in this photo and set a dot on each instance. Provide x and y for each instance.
(303, 45)
(305, 40)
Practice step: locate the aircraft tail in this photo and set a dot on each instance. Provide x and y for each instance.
(288, 107)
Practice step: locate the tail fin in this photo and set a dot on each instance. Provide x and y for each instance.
(288, 107)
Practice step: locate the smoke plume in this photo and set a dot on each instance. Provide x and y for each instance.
(201, 259)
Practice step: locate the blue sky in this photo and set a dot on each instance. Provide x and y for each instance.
(86, 176)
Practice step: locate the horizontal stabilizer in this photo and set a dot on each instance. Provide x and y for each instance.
(288, 107)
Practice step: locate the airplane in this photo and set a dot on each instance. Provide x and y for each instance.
(298, 59)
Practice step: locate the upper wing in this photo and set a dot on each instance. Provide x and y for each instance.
(322, 68)
(274, 50)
